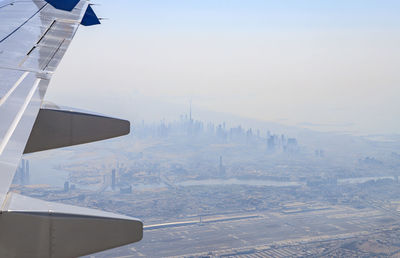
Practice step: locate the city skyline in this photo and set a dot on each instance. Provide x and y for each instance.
(326, 66)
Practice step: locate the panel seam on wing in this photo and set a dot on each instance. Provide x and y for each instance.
(20, 26)
(17, 83)
(18, 117)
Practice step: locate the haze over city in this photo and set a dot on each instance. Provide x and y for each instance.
(328, 65)
(257, 128)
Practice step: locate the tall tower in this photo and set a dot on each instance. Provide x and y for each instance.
(66, 186)
(189, 123)
(26, 176)
(22, 175)
(190, 111)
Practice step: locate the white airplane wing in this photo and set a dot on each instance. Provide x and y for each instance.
(34, 35)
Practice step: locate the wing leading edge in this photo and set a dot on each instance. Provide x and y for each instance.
(34, 35)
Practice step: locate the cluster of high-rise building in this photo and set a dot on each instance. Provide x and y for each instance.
(191, 130)
(22, 174)
(116, 182)
(281, 142)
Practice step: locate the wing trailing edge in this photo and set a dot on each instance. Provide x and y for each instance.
(56, 128)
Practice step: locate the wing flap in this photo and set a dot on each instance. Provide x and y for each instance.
(37, 39)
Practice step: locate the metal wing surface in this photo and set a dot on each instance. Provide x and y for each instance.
(34, 36)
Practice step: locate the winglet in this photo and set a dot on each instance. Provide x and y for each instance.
(90, 18)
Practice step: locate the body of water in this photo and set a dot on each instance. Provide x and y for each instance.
(361, 180)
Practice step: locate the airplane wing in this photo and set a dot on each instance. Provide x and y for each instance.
(34, 35)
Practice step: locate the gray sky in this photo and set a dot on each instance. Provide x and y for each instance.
(327, 65)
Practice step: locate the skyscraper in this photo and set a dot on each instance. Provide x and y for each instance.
(66, 186)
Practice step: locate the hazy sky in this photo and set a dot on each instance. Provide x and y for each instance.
(296, 62)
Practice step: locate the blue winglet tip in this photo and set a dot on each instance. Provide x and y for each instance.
(90, 18)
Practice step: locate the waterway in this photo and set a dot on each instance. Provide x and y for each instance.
(361, 180)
